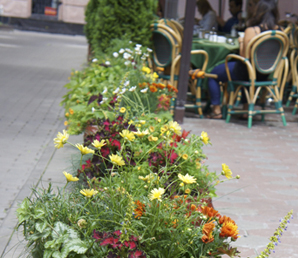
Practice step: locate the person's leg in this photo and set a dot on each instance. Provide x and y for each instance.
(214, 87)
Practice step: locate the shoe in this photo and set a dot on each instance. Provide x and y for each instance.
(214, 116)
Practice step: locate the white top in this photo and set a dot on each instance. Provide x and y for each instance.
(208, 21)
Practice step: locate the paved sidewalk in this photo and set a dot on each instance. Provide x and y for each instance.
(33, 69)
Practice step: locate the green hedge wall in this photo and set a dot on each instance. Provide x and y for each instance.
(111, 19)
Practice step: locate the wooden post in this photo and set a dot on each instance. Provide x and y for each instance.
(189, 18)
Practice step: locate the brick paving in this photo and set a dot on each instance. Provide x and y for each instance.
(33, 69)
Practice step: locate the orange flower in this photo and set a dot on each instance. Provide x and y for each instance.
(139, 211)
(71, 111)
(160, 86)
(210, 212)
(229, 229)
(171, 88)
(225, 219)
(193, 207)
(152, 88)
(207, 231)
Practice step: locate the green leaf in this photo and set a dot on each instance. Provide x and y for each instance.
(48, 253)
(74, 245)
(57, 254)
(38, 213)
(40, 226)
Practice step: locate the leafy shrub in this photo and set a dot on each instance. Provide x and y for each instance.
(111, 19)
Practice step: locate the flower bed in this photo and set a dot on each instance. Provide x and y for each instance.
(142, 187)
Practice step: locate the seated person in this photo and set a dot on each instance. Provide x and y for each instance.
(208, 20)
(235, 8)
(264, 18)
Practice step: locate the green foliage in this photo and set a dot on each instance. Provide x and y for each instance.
(112, 19)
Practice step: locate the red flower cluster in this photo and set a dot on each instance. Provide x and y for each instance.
(112, 240)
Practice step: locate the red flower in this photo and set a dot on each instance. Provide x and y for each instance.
(172, 156)
(114, 242)
(130, 244)
(115, 143)
(137, 254)
(105, 151)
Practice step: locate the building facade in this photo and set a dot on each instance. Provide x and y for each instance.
(69, 11)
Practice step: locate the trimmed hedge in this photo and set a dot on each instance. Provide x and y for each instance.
(110, 19)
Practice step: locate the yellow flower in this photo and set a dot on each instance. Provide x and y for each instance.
(147, 178)
(151, 128)
(187, 179)
(126, 134)
(117, 160)
(204, 137)
(155, 75)
(142, 122)
(130, 122)
(175, 127)
(84, 150)
(141, 134)
(158, 120)
(98, 144)
(164, 129)
(181, 184)
(88, 192)
(187, 191)
(226, 171)
(61, 139)
(146, 69)
(82, 223)
(66, 114)
(156, 194)
(185, 156)
(65, 123)
(152, 138)
(122, 110)
(198, 165)
(71, 111)
(70, 178)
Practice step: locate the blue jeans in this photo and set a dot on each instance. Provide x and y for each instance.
(213, 84)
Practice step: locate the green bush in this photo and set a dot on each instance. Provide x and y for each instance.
(111, 19)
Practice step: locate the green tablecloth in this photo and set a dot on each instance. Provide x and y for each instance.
(217, 52)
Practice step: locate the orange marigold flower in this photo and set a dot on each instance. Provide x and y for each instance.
(209, 211)
(193, 207)
(139, 211)
(160, 86)
(171, 88)
(71, 111)
(229, 229)
(224, 219)
(153, 88)
(207, 231)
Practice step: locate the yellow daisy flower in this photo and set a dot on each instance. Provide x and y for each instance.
(61, 139)
(185, 156)
(151, 128)
(70, 178)
(117, 160)
(226, 171)
(175, 127)
(204, 137)
(142, 122)
(98, 144)
(84, 150)
(156, 194)
(187, 191)
(88, 192)
(122, 110)
(141, 133)
(126, 134)
(187, 179)
(146, 69)
(67, 114)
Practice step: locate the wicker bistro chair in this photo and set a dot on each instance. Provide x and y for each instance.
(293, 64)
(267, 54)
(166, 46)
(196, 79)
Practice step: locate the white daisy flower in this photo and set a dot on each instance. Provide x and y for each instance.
(105, 90)
(132, 89)
(138, 45)
(93, 109)
(107, 63)
(128, 50)
(115, 54)
(126, 83)
(94, 60)
(121, 51)
(123, 91)
(149, 50)
(116, 91)
(127, 63)
(126, 55)
(144, 90)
